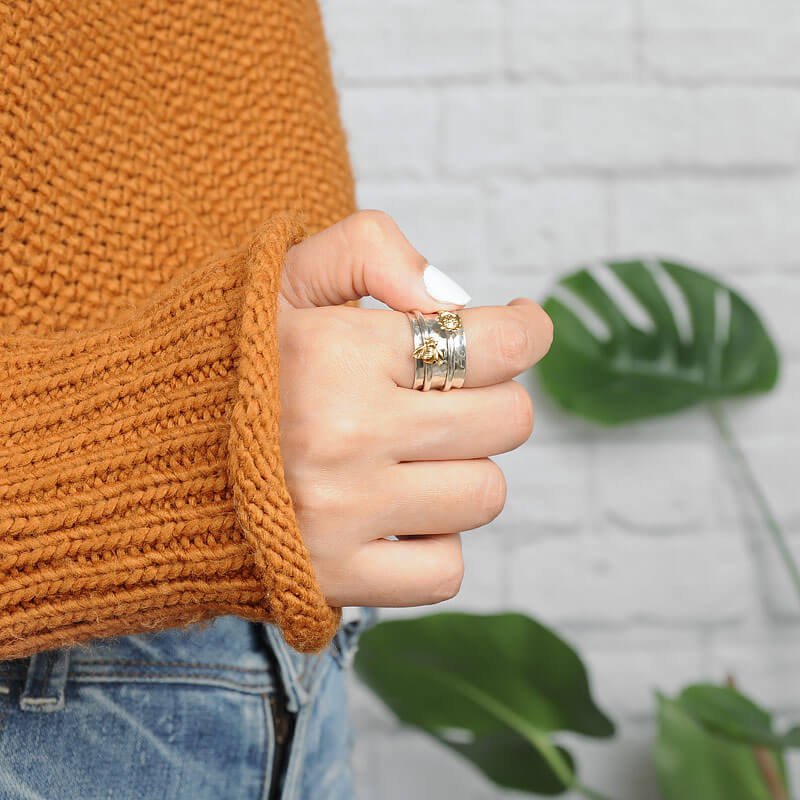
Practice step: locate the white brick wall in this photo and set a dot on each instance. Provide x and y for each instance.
(513, 139)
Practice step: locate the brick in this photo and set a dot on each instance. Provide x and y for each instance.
(621, 767)
(719, 223)
(413, 39)
(391, 131)
(577, 41)
(477, 132)
(530, 130)
(554, 425)
(495, 286)
(774, 462)
(626, 668)
(548, 489)
(549, 225)
(619, 579)
(728, 56)
(484, 586)
(653, 486)
(764, 664)
(782, 597)
(579, 15)
(727, 41)
(444, 222)
(768, 418)
(409, 763)
(720, 14)
(772, 458)
(776, 298)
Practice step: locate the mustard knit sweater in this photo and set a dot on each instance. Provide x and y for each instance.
(157, 160)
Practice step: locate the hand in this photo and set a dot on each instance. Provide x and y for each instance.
(366, 456)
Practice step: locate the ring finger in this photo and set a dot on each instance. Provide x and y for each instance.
(463, 423)
(441, 497)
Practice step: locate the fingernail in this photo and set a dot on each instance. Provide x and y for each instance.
(442, 288)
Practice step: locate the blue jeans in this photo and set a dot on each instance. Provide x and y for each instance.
(220, 712)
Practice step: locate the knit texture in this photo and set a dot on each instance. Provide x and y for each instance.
(157, 160)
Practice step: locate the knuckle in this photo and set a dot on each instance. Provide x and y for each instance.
(323, 439)
(372, 225)
(336, 436)
(492, 492)
(513, 344)
(344, 429)
(298, 441)
(548, 331)
(305, 336)
(522, 413)
(449, 578)
(315, 498)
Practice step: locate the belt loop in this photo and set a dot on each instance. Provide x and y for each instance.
(355, 620)
(296, 669)
(45, 681)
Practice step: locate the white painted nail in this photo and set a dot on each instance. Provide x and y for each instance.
(442, 288)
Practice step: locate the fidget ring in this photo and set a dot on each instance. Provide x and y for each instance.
(440, 350)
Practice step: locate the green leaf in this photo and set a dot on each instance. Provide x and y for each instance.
(692, 761)
(726, 711)
(493, 688)
(636, 339)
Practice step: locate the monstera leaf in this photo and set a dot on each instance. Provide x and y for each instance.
(726, 711)
(493, 688)
(636, 339)
(700, 750)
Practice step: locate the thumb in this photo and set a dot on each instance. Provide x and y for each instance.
(365, 254)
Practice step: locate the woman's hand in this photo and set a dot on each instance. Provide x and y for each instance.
(366, 456)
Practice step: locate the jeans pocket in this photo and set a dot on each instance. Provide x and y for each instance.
(184, 713)
(127, 739)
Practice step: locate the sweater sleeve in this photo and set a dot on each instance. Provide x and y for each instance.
(141, 481)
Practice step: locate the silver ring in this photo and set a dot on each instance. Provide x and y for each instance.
(440, 350)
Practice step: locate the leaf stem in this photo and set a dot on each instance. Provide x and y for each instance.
(551, 755)
(726, 434)
(538, 739)
(557, 763)
(766, 764)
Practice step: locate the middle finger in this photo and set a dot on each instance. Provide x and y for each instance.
(463, 423)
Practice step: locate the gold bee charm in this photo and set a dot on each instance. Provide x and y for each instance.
(449, 320)
(429, 352)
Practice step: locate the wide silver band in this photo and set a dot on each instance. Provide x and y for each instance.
(440, 351)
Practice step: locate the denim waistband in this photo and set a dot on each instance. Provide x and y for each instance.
(228, 652)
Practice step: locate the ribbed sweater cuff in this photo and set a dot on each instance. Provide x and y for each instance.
(141, 481)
